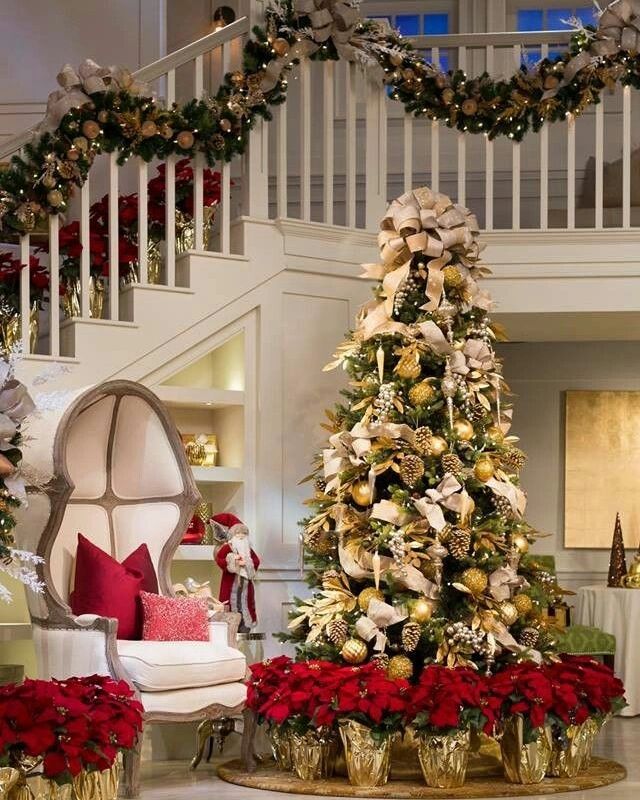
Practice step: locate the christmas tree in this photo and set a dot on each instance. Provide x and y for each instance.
(414, 546)
(617, 559)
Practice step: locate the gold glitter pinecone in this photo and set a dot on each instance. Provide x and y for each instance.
(529, 637)
(459, 543)
(399, 667)
(319, 541)
(452, 463)
(320, 485)
(513, 458)
(422, 440)
(410, 636)
(411, 470)
(337, 631)
(382, 660)
(477, 413)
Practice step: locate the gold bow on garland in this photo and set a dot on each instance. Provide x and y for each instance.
(330, 19)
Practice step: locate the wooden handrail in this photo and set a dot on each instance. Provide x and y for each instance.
(504, 39)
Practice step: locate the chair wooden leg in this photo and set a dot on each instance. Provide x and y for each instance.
(248, 741)
(131, 761)
(203, 735)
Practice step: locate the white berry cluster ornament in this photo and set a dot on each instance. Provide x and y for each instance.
(384, 401)
(463, 637)
(479, 329)
(406, 288)
(397, 545)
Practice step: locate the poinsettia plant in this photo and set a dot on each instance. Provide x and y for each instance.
(524, 688)
(10, 273)
(584, 687)
(65, 726)
(447, 700)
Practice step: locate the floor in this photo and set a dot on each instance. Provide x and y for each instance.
(620, 740)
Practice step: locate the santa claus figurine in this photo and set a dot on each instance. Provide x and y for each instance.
(239, 564)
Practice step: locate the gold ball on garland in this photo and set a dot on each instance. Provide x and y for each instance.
(551, 82)
(55, 198)
(495, 434)
(475, 580)
(439, 446)
(453, 278)
(91, 129)
(361, 493)
(420, 610)
(354, 651)
(422, 440)
(523, 604)
(49, 181)
(148, 128)
(81, 143)
(226, 125)
(281, 46)
(185, 140)
(484, 469)
(469, 107)
(237, 78)
(411, 470)
(421, 394)
(400, 667)
(463, 429)
(520, 542)
(103, 116)
(447, 96)
(367, 595)
(508, 612)
(73, 154)
(441, 80)
(166, 131)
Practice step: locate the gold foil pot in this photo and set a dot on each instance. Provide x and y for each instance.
(444, 758)
(281, 748)
(313, 755)
(590, 731)
(35, 787)
(10, 330)
(9, 777)
(367, 760)
(569, 755)
(524, 763)
(71, 299)
(96, 785)
(186, 229)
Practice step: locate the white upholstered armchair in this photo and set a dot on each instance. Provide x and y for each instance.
(113, 468)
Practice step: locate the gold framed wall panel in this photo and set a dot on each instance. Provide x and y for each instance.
(602, 467)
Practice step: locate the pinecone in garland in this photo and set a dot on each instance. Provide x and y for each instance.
(422, 440)
(337, 631)
(411, 470)
(529, 637)
(452, 463)
(410, 636)
(459, 542)
(513, 459)
(319, 541)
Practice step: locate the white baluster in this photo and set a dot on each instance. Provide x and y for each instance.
(350, 144)
(54, 285)
(435, 137)
(544, 165)
(143, 222)
(281, 162)
(114, 256)
(571, 172)
(408, 152)
(198, 201)
(515, 174)
(170, 221)
(488, 155)
(171, 87)
(25, 289)
(599, 177)
(225, 188)
(626, 157)
(305, 140)
(85, 255)
(198, 76)
(375, 155)
(327, 141)
(462, 140)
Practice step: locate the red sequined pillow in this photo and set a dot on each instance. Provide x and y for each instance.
(174, 619)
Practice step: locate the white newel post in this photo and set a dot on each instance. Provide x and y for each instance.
(376, 154)
(255, 162)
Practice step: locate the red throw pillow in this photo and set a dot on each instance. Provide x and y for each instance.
(174, 619)
(103, 586)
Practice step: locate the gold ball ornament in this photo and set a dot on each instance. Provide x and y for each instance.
(400, 667)
(469, 107)
(484, 469)
(523, 604)
(73, 154)
(439, 446)
(508, 612)
(367, 595)
(354, 651)
(495, 434)
(90, 129)
(475, 580)
(148, 128)
(80, 143)
(185, 140)
(226, 124)
(453, 278)
(421, 394)
(447, 96)
(463, 429)
(408, 367)
(281, 46)
(49, 181)
(520, 542)
(361, 493)
(420, 610)
(55, 198)
(103, 116)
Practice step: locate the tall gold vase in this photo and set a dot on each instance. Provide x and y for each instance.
(313, 755)
(444, 758)
(368, 760)
(10, 330)
(34, 787)
(590, 731)
(96, 785)
(524, 762)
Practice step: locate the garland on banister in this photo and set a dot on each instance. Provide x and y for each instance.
(100, 110)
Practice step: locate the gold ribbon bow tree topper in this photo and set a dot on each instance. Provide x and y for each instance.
(418, 505)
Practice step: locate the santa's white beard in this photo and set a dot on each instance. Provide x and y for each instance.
(241, 546)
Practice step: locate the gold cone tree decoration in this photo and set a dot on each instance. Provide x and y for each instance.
(414, 539)
(617, 559)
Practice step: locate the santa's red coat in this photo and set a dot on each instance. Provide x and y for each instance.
(226, 584)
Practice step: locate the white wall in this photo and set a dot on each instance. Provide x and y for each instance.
(539, 374)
